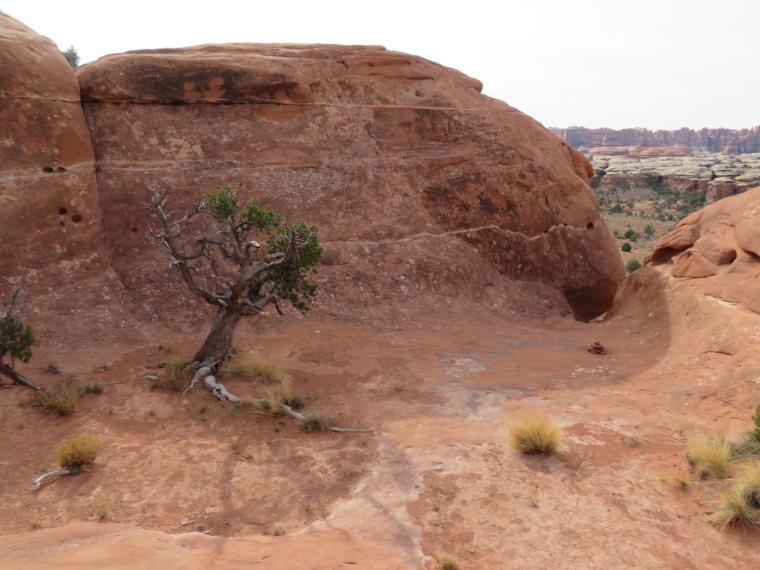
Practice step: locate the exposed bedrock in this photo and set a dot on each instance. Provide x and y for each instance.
(405, 166)
(51, 227)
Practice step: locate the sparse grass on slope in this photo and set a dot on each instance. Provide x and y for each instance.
(261, 369)
(710, 455)
(175, 375)
(535, 435)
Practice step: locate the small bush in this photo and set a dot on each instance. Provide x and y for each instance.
(446, 561)
(315, 421)
(710, 455)
(736, 509)
(626, 247)
(535, 435)
(101, 508)
(632, 265)
(53, 368)
(98, 388)
(77, 451)
(261, 369)
(175, 375)
(63, 397)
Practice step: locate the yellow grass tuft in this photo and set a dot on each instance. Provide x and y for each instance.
(446, 561)
(710, 454)
(535, 435)
(261, 369)
(674, 478)
(736, 509)
(315, 420)
(77, 451)
(175, 375)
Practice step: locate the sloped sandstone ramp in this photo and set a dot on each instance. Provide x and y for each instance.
(401, 162)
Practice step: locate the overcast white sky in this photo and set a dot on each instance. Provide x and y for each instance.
(659, 64)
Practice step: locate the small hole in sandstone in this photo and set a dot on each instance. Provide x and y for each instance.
(590, 226)
(61, 169)
(62, 211)
(47, 169)
(133, 229)
(62, 224)
(76, 218)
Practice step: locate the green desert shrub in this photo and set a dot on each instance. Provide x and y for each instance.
(626, 247)
(632, 265)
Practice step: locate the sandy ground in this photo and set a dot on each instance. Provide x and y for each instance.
(187, 484)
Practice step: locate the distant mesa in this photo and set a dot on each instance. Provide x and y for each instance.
(643, 143)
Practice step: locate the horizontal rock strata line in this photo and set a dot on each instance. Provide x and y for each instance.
(180, 102)
(4, 95)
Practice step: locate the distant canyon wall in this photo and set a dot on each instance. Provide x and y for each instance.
(643, 142)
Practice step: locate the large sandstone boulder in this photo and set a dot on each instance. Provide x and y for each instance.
(51, 230)
(721, 245)
(404, 165)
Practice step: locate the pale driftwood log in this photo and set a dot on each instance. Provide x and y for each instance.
(52, 474)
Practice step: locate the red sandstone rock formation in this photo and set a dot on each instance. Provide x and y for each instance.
(401, 162)
(705, 140)
(720, 245)
(51, 215)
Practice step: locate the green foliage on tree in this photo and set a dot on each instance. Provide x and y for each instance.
(632, 265)
(626, 247)
(16, 338)
(71, 56)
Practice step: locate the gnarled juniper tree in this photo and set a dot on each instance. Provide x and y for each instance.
(238, 259)
(16, 338)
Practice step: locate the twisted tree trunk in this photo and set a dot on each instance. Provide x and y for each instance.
(15, 376)
(219, 339)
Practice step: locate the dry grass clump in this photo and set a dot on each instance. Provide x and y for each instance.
(288, 397)
(674, 478)
(261, 370)
(268, 406)
(739, 508)
(535, 435)
(446, 561)
(710, 455)
(315, 421)
(77, 451)
(175, 375)
(63, 397)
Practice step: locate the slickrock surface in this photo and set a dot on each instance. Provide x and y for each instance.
(443, 317)
(404, 166)
(48, 191)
